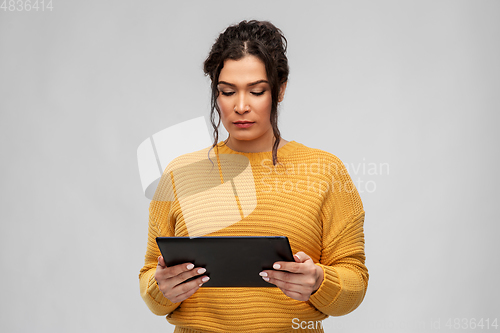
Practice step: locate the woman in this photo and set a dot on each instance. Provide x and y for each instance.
(303, 193)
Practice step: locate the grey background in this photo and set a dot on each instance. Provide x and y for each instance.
(409, 84)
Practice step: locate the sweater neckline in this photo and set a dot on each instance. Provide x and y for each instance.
(283, 152)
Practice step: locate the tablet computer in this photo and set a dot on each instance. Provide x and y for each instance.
(229, 261)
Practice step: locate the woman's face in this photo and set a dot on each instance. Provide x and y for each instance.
(245, 104)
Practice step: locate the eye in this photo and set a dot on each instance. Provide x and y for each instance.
(258, 93)
(227, 93)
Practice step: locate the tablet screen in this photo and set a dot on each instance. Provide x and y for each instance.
(229, 261)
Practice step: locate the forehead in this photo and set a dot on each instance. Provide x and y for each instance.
(244, 70)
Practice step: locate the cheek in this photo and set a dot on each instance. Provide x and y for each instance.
(264, 105)
(224, 107)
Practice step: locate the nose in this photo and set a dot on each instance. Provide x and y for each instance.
(241, 105)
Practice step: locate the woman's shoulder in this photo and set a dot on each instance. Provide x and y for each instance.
(188, 158)
(315, 155)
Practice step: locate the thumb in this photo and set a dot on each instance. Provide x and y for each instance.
(301, 257)
(161, 262)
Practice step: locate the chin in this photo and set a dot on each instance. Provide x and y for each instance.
(245, 136)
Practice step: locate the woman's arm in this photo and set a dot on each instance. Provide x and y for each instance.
(150, 292)
(343, 255)
(337, 284)
(345, 274)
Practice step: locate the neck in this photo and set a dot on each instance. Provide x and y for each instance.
(252, 146)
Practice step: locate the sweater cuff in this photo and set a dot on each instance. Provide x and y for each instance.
(342, 290)
(328, 290)
(153, 297)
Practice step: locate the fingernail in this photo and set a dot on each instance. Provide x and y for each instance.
(263, 274)
(201, 271)
(205, 279)
(297, 257)
(265, 278)
(190, 266)
(276, 266)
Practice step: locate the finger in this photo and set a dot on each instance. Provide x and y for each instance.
(173, 271)
(301, 256)
(301, 265)
(185, 290)
(295, 291)
(161, 262)
(183, 277)
(186, 286)
(184, 296)
(175, 275)
(180, 284)
(304, 283)
(291, 278)
(293, 267)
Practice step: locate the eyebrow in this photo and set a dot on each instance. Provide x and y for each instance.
(249, 85)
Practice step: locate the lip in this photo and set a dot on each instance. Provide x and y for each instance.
(243, 123)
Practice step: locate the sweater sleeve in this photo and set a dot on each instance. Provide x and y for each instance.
(343, 256)
(150, 292)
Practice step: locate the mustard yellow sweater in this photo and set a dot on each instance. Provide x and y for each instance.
(308, 197)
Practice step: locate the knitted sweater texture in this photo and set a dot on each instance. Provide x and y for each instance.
(308, 197)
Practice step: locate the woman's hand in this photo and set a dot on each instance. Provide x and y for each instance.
(170, 280)
(298, 279)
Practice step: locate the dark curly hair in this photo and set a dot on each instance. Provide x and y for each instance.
(258, 38)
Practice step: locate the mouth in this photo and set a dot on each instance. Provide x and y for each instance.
(243, 123)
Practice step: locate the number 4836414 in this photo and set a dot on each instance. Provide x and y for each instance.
(26, 5)
(472, 323)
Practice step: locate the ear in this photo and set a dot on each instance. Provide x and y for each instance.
(282, 91)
